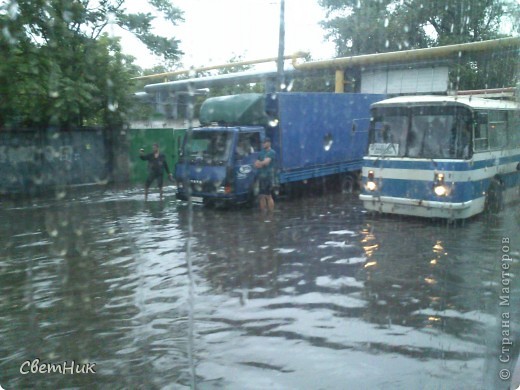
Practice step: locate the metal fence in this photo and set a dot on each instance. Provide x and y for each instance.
(33, 160)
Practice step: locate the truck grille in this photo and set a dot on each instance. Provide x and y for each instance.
(197, 186)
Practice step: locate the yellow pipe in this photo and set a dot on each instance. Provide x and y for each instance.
(406, 55)
(340, 81)
(211, 67)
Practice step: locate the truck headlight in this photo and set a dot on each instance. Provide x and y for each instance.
(371, 184)
(227, 189)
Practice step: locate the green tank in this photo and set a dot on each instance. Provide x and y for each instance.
(244, 110)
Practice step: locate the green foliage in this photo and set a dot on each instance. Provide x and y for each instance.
(372, 26)
(61, 69)
(319, 82)
(375, 26)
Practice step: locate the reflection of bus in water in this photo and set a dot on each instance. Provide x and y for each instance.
(442, 156)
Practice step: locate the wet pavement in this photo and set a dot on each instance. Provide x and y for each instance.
(318, 295)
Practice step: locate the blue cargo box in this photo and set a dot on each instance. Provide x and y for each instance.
(321, 134)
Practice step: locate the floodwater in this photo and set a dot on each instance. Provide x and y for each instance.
(319, 295)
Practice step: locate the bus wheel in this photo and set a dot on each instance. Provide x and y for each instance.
(494, 196)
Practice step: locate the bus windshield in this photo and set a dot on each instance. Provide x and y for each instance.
(209, 147)
(421, 132)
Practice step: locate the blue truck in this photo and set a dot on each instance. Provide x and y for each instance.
(313, 134)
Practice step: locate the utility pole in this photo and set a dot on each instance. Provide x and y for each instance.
(281, 47)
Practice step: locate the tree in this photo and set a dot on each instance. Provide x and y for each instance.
(374, 26)
(61, 69)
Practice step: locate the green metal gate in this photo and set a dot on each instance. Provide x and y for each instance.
(169, 141)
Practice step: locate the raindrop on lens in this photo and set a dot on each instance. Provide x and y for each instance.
(13, 10)
(273, 122)
(67, 16)
(327, 146)
(327, 142)
(7, 35)
(113, 106)
(60, 194)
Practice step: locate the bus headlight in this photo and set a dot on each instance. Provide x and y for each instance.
(440, 190)
(371, 184)
(439, 187)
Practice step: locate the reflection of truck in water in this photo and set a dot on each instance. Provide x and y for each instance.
(313, 134)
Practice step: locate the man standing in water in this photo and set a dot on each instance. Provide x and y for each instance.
(265, 166)
(156, 164)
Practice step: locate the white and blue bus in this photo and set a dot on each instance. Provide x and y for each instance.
(442, 156)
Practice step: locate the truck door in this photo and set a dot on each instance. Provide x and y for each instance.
(246, 153)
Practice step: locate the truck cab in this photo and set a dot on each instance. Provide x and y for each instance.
(216, 165)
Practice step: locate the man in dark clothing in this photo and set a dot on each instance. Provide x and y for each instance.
(156, 164)
(265, 166)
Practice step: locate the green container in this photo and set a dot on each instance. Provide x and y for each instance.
(245, 109)
(169, 141)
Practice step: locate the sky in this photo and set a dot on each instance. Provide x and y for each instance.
(214, 31)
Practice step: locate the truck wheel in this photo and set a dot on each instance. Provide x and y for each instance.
(349, 183)
(253, 194)
(494, 196)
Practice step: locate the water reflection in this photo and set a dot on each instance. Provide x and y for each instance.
(317, 295)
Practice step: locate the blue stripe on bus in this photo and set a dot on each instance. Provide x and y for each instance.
(423, 190)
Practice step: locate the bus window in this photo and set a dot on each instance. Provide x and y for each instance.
(416, 135)
(514, 128)
(481, 131)
(497, 129)
(388, 131)
(431, 132)
(461, 138)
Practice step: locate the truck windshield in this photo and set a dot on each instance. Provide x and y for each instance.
(421, 132)
(210, 147)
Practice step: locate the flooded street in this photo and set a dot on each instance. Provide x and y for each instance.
(319, 295)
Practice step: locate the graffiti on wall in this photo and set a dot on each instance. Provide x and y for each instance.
(34, 154)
